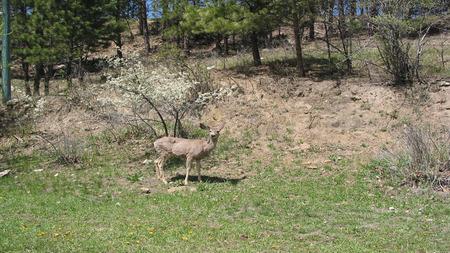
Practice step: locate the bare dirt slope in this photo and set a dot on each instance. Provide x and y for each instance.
(325, 118)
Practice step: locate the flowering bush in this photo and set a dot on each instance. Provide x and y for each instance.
(168, 93)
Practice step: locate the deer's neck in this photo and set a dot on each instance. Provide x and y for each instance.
(211, 144)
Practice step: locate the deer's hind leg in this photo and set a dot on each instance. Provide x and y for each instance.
(159, 165)
(197, 166)
(188, 169)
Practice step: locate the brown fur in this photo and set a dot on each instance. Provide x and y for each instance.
(190, 150)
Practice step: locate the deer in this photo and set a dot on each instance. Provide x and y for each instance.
(189, 149)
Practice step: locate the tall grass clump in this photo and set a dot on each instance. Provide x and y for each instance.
(423, 158)
(67, 149)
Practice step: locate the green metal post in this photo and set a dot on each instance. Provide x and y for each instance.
(6, 53)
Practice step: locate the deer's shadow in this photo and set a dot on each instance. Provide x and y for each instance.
(208, 179)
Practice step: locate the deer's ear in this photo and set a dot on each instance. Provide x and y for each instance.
(220, 128)
(202, 126)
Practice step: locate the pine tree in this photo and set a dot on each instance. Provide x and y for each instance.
(20, 41)
(117, 10)
(41, 31)
(221, 18)
(87, 27)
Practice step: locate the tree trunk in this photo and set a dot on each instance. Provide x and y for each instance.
(47, 76)
(312, 30)
(38, 69)
(119, 45)
(352, 8)
(186, 48)
(312, 21)
(298, 43)
(129, 29)
(69, 69)
(344, 35)
(255, 49)
(69, 64)
(233, 38)
(144, 24)
(219, 44)
(328, 19)
(26, 73)
(81, 71)
(227, 46)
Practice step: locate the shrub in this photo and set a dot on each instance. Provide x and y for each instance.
(392, 26)
(68, 150)
(167, 88)
(168, 94)
(423, 158)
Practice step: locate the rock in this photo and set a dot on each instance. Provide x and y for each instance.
(182, 188)
(336, 124)
(145, 190)
(146, 161)
(5, 173)
(304, 146)
(301, 148)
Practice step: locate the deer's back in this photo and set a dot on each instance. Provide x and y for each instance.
(179, 147)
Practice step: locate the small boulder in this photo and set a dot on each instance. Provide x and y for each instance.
(5, 173)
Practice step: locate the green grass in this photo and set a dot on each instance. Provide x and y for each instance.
(282, 207)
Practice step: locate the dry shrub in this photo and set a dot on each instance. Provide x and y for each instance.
(423, 158)
(68, 150)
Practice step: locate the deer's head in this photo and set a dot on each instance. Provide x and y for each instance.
(213, 131)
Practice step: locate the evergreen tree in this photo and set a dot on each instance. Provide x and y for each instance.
(117, 10)
(48, 32)
(41, 31)
(170, 14)
(20, 43)
(225, 17)
(259, 16)
(88, 31)
(221, 18)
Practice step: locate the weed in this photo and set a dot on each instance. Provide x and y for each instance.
(422, 158)
(136, 177)
(273, 137)
(327, 167)
(366, 106)
(67, 150)
(314, 149)
(334, 158)
(272, 146)
(287, 139)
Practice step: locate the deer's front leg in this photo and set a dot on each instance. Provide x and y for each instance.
(159, 168)
(197, 166)
(188, 169)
